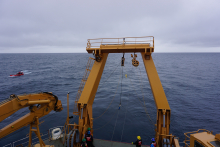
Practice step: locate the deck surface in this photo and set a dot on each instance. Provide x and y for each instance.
(107, 143)
(96, 142)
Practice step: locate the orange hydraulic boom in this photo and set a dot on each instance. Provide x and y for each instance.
(46, 103)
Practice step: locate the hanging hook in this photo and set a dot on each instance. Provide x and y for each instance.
(134, 61)
(122, 60)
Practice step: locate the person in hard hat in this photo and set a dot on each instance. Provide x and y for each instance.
(88, 129)
(84, 144)
(138, 142)
(153, 143)
(89, 139)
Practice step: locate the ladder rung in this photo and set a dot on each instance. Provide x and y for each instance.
(76, 113)
(82, 84)
(34, 130)
(84, 80)
(91, 58)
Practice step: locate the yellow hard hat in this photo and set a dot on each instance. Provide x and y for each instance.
(139, 137)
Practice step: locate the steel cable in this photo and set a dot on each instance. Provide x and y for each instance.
(140, 101)
(103, 83)
(124, 120)
(107, 122)
(143, 96)
(113, 96)
(115, 125)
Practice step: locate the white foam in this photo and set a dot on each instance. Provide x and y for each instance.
(26, 72)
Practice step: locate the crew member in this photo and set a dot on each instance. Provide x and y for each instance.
(88, 129)
(89, 139)
(138, 142)
(153, 143)
(84, 144)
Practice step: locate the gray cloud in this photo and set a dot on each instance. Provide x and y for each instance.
(64, 26)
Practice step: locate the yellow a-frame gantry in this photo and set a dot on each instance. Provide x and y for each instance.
(101, 48)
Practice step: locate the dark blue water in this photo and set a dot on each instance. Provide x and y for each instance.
(191, 82)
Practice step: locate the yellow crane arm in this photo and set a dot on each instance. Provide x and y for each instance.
(46, 103)
(14, 103)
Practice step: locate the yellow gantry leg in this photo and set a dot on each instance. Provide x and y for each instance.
(163, 108)
(88, 94)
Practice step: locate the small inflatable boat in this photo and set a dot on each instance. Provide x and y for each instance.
(18, 74)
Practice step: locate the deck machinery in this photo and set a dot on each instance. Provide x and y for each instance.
(39, 104)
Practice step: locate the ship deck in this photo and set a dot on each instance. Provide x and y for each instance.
(96, 143)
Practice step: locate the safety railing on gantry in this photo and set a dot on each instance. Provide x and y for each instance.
(95, 43)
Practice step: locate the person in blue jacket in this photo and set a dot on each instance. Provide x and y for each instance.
(153, 143)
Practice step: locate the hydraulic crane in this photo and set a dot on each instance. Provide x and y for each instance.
(46, 102)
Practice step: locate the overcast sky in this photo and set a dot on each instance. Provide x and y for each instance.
(48, 26)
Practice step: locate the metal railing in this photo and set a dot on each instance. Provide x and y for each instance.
(95, 43)
(187, 136)
(25, 141)
(8, 99)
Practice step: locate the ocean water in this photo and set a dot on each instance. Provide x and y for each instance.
(191, 82)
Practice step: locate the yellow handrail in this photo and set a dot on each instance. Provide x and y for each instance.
(95, 43)
(188, 137)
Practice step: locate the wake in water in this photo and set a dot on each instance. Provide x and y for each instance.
(26, 72)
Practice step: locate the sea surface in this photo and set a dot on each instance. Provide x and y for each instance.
(191, 82)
